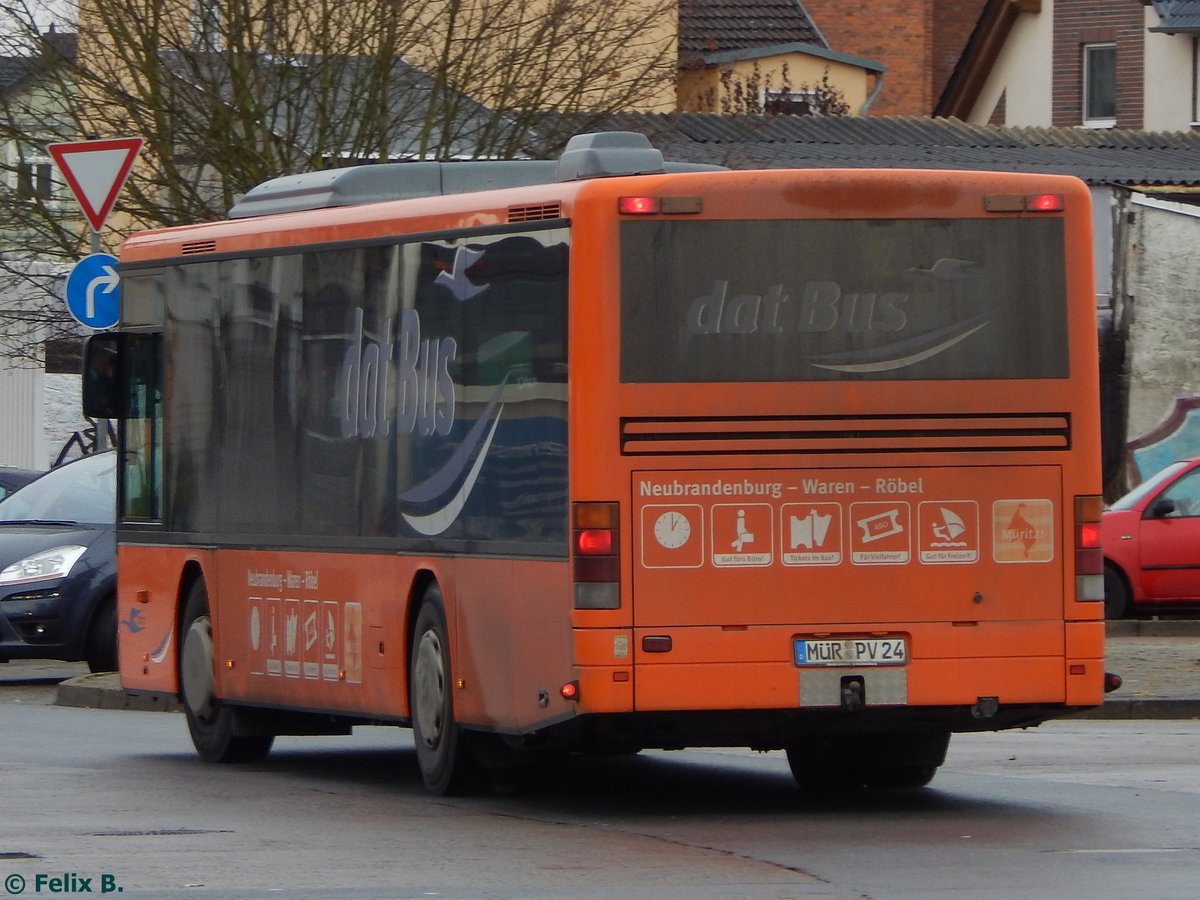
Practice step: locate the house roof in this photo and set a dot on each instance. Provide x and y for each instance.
(710, 26)
(727, 56)
(1157, 161)
(16, 72)
(1177, 16)
(975, 63)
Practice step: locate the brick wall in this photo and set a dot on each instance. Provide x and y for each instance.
(1079, 22)
(895, 33)
(954, 20)
(918, 40)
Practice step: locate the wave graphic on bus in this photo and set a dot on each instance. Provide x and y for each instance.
(437, 485)
(902, 353)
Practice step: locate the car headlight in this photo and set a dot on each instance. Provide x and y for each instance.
(43, 566)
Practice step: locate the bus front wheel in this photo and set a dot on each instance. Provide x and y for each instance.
(445, 760)
(210, 722)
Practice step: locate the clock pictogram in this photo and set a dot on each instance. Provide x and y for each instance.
(672, 529)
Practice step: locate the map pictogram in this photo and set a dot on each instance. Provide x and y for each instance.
(1023, 531)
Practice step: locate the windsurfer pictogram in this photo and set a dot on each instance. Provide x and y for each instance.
(948, 529)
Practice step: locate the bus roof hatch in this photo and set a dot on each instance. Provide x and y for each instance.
(599, 155)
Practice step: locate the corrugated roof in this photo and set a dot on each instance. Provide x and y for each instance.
(1178, 16)
(1098, 156)
(709, 26)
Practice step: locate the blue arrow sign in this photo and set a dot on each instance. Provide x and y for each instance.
(92, 291)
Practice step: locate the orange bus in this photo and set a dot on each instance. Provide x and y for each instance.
(607, 453)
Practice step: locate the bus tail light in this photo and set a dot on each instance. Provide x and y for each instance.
(637, 206)
(595, 558)
(1089, 556)
(649, 206)
(1024, 202)
(1045, 203)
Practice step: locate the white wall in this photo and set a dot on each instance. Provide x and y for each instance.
(1169, 79)
(22, 441)
(1163, 354)
(1022, 73)
(38, 412)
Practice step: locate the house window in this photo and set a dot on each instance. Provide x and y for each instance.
(791, 103)
(1100, 85)
(35, 180)
(206, 24)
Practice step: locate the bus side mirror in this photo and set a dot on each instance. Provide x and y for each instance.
(101, 384)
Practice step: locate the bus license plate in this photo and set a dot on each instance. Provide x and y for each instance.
(850, 651)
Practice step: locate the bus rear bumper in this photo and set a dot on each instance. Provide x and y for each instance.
(778, 729)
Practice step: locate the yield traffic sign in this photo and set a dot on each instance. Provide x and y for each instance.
(96, 171)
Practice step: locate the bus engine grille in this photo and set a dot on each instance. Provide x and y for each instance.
(687, 436)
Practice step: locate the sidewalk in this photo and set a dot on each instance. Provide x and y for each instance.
(1158, 661)
(1159, 664)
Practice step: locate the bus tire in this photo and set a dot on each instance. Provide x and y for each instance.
(446, 763)
(210, 722)
(1116, 594)
(100, 651)
(819, 766)
(892, 778)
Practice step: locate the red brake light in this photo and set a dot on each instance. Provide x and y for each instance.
(637, 206)
(1089, 558)
(594, 542)
(1044, 202)
(596, 561)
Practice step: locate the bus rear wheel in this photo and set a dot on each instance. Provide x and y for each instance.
(210, 723)
(883, 761)
(447, 765)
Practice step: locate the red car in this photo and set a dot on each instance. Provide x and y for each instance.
(1151, 539)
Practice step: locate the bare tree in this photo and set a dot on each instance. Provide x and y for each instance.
(229, 93)
(757, 92)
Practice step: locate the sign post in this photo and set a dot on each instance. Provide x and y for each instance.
(95, 171)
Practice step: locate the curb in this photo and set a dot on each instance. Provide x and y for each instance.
(1152, 628)
(1142, 709)
(104, 691)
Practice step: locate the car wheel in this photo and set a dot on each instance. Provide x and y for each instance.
(210, 722)
(100, 650)
(1116, 594)
(446, 762)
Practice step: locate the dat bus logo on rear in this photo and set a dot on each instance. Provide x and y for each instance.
(822, 308)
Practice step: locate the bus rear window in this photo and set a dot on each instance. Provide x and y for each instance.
(822, 300)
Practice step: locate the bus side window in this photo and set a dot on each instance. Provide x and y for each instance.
(142, 445)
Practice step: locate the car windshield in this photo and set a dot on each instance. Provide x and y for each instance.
(84, 491)
(1151, 484)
